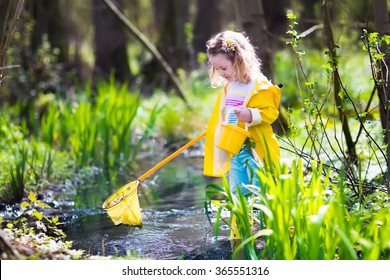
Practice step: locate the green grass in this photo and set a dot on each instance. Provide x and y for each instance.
(87, 130)
(305, 216)
(27, 163)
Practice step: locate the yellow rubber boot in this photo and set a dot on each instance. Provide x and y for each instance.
(234, 233)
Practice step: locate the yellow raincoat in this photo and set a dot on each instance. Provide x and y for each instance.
(263, 102)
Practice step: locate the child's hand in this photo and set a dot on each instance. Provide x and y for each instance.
(243, 115)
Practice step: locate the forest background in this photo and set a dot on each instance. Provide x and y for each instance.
(80, 80)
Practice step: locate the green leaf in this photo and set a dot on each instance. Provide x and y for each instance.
(386, 39)
(54, 220)
(378, 56)
(37, 214)
(32, 197)
(265, 209)
(42, 205)
(25, 204)
(291, 16)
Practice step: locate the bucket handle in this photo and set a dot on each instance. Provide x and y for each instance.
(228, 113)
(231, 110)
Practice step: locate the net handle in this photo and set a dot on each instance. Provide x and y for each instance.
(172, 156)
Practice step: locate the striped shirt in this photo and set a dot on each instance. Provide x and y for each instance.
(235, 95)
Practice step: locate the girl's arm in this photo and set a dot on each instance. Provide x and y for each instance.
(264, 106)
(255, 116)
(244, 115)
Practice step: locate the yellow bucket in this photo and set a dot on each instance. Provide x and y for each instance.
(123, 206)
(232, 138)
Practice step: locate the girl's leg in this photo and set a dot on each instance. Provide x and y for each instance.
(251, 167)
(243, 170)
(237, 174)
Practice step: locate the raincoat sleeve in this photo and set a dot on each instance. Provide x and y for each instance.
(265, 102)
(264, 105)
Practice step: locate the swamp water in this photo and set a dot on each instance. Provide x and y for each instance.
(175, 225)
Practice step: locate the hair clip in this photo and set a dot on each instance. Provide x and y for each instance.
(228, 46)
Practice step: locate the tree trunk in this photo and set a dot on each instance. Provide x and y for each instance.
(9, 14)
(110, 44)
(383, 28)
(50, 19)
(207, 23)
(172, 41)
(276, 21)
(170, 17)
(311, 14)
(57, 22)
(254, 24)
(146, 43)
(351, 149)
(253, 21)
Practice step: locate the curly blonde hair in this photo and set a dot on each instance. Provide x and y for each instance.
(246, 63)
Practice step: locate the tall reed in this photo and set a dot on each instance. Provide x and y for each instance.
(309, 218)
(116, 109)
(96, 126)
(305, 216)
(48, 125)
(82, 127)
(25, 163)
(17, 174)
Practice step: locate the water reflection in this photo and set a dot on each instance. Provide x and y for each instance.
(174, 223)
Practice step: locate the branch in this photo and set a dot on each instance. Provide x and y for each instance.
(7, 247)
(7, 39)
(138, 34)
(9, 67)
(311, 30)
(7, 35)
(351, 149)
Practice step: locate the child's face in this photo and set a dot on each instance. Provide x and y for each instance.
(223, 65)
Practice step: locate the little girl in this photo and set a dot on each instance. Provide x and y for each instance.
(248, 100)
